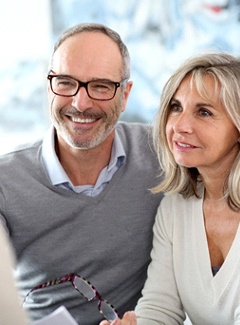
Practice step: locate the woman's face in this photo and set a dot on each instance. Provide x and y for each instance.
(199, 131)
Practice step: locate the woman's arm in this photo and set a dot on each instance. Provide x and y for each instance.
(160, 303)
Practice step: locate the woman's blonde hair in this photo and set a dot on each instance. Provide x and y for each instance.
(225, 69)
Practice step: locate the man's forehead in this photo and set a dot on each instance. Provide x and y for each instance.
(86, 52)
(89, 42)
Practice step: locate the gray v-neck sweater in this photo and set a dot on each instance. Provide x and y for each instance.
(106, 239)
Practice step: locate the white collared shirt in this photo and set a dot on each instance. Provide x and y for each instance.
(59, 177)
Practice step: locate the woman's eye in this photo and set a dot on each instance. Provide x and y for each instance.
(204, 112)
(175, 107)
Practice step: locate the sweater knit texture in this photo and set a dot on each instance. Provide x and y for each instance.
(180, 276)
(106, 239)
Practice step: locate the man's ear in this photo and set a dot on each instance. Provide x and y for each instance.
(126, 94)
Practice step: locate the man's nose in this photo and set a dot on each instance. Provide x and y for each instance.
(81, 100)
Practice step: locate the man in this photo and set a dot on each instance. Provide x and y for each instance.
(78, 202)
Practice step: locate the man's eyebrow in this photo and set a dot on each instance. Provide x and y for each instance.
(92, 79)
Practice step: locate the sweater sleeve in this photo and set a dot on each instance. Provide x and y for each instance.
(160, 303)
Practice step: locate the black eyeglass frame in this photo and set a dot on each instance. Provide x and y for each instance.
(85, 85)
(70, 278)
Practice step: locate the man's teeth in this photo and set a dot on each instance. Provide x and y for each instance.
(82, 120)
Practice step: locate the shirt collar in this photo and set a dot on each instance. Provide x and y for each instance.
(54, 168)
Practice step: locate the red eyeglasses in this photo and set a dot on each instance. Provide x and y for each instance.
(86, 289)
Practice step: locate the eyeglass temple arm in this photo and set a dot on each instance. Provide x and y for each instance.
(65, 278)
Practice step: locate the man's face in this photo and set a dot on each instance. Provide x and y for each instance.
(80, 121)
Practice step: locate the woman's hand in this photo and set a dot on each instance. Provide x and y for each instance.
(129, 318)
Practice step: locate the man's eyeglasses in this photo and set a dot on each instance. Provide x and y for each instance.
(86, 289)
(100, 89)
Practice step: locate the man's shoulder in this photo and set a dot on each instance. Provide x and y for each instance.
(134, 132)
(136, 138)
(133, 127)
(19, 152)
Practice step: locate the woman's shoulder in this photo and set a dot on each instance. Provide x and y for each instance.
(175, 205)
(177, 199)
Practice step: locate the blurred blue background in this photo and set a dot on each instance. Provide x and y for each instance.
(160, 34)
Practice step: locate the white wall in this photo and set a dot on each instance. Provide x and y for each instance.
(25, 29)
(25, 33)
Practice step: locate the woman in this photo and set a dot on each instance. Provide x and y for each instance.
(195, 266)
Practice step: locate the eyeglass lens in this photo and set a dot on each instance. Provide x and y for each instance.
(98, 89)
(107, 311)
(84, 288)
(87, 291)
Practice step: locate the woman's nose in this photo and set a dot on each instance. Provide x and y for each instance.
(183, 123)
